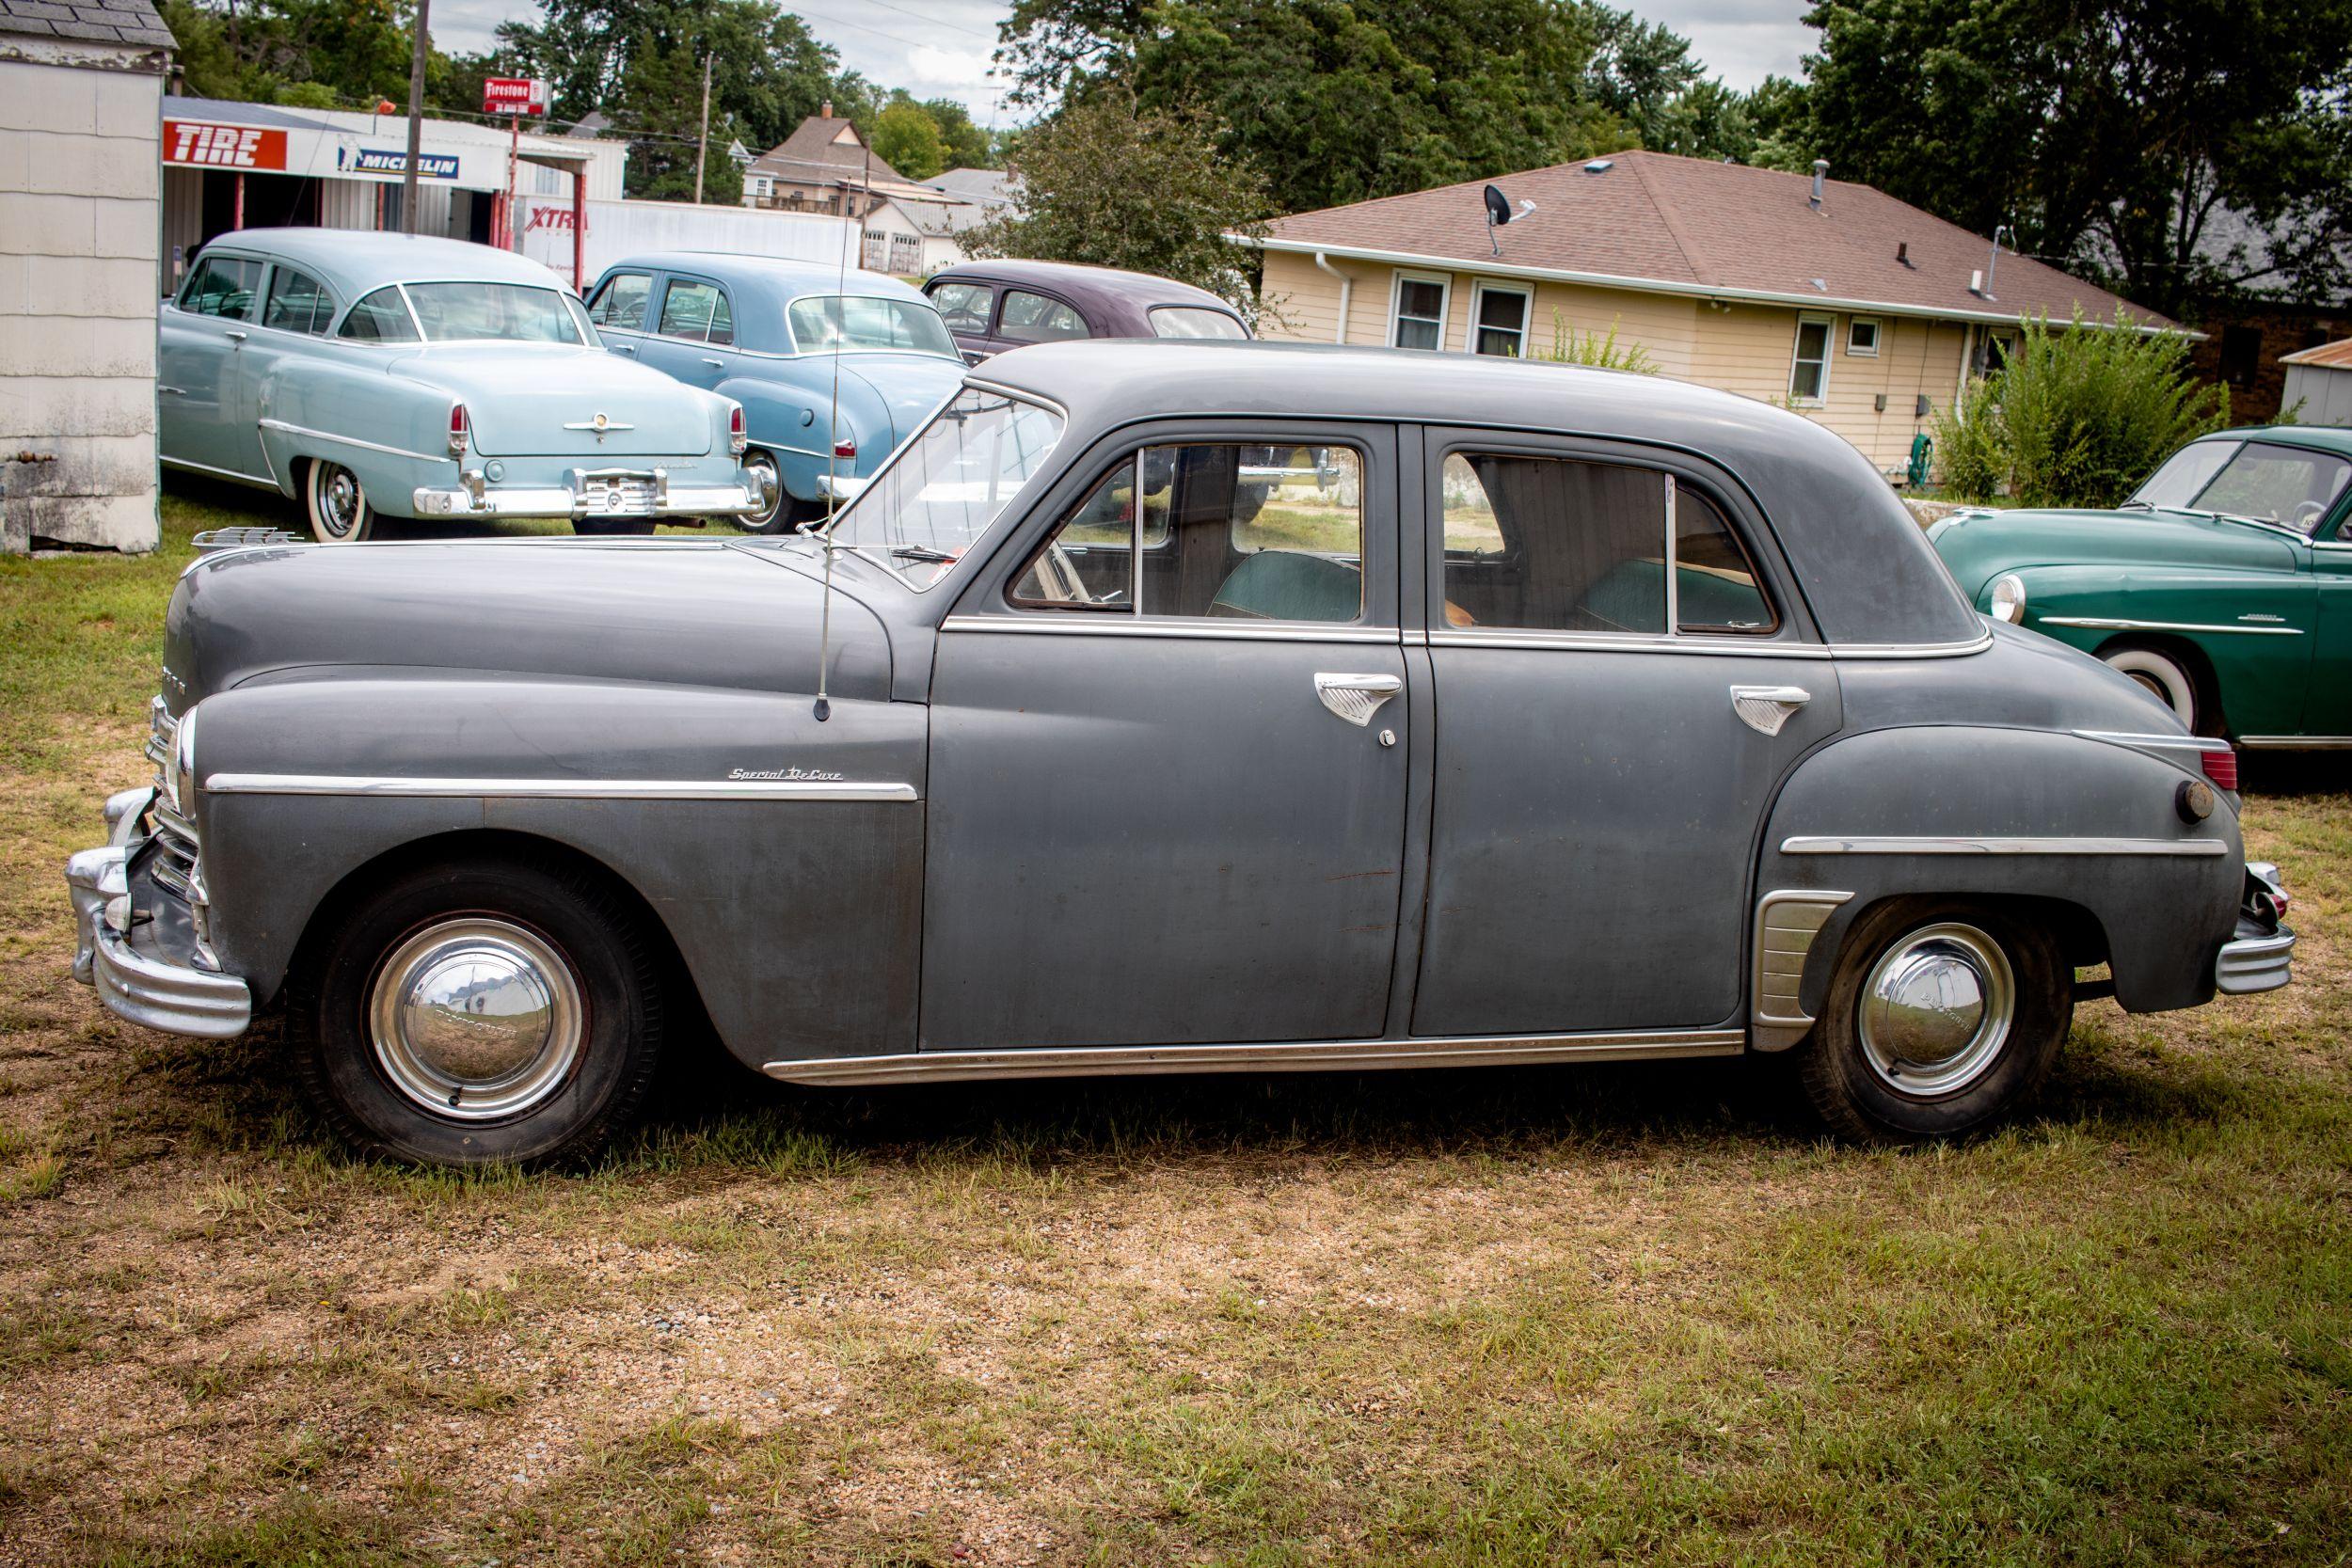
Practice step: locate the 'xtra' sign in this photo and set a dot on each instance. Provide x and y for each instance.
(394, 160)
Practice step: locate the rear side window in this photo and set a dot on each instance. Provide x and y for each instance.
(1545, 543)
(381, 317)
(1194, 321)
(223, 286)
(620, 302)
(297, 303)
(965, 306)
(698, 312)
(1034, 319)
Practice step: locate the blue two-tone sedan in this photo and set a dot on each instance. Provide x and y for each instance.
(832, 368)
(373, 375)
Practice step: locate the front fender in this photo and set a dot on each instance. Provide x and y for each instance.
(1978, 811)
(782, 856)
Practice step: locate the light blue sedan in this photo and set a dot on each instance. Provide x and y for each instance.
(834, 368)
(373, 375)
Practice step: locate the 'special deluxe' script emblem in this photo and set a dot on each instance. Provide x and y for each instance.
(784, 775)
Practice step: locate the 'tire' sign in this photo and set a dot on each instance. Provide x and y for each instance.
(513, 95)
(189, 141)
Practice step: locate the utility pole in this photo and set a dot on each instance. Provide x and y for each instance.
(702, 153)
(416, 124)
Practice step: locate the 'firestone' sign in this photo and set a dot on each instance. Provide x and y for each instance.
(190, 141)
(513, 95)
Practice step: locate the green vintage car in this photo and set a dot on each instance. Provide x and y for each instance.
(2223, 586)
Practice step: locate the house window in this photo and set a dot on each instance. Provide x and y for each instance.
(1419, 312)
(1862, 337)
(1808, 377)
(2241, 354)
(1501, 322)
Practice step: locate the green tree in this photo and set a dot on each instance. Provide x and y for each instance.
(1107, 184)
(318, 52)
(966, 145)
(2076, 417)
(907, 138)
(2114, 136)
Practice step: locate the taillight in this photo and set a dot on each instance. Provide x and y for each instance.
(845, 447)
(738, 442)
(460, 430)
(2220, 766)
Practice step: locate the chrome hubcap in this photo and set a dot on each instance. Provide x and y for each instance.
(763, 474)
(339, 501)
(1936, 1009)
(477, 1018)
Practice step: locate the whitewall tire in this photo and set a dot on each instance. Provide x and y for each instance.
(2161, 676)
(337, 506)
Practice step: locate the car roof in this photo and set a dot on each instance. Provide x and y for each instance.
(356, 262)
(2319, 437)
(1076, 278)
(1863, 566)
(777, 278)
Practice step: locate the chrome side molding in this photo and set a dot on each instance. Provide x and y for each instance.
(2101, 623)
(1786, 922)
(2192, 847)
(950, 1067)
(560, 789)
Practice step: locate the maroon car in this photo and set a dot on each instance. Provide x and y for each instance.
(994, 305)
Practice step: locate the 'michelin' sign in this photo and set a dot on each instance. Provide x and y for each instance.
(190, 141)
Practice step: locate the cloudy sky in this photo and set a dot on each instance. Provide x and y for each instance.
(940, 48)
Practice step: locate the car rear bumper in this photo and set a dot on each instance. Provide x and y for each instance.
(136, 944)
(589, 493)
(2254, 961)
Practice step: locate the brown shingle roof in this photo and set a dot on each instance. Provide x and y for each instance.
(1689, 226)
(128, 21)
(821, 149)
(2335, 357)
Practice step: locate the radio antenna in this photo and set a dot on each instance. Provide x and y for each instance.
(833, 444)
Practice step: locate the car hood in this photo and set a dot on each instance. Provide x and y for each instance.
(684, 612)
(1979, 545)
(521, 399)
(908, 385)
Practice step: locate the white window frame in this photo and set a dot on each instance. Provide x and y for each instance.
(1796, 341)
(1479, 290)
(1445, 304)
(1878, 335)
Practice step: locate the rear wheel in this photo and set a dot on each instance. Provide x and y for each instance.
(1942, 1016)
(466, 1014)
(2162, 677)
(337, 506)
(767, 479)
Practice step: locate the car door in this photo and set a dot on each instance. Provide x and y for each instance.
(204, 405)
(967, 305)
(621, 307)
(1033, 316)
(296, 312)
(694, 335)
(1169, 744)
(1622, 676)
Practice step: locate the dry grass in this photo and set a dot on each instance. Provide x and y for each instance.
(1525, 1317)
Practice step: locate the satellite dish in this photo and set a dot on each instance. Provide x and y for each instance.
(1500, 212)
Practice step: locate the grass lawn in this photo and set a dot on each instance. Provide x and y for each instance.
(1545, 1316)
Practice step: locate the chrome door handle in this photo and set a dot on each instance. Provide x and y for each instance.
(172, 391)
(625, 348)
(1766, 708)
(1355, 698)
(714, 364)
(233, 335)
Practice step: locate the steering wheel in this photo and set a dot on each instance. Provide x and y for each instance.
(2306, 516)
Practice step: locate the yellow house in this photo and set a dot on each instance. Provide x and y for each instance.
(1856, 309)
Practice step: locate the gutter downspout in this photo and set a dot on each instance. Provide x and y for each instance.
(1347, 286)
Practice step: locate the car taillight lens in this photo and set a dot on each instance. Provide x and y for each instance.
(845, 447)
(738, 442)
(460, 430)
(2220, 766)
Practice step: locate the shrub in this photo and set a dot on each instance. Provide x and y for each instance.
(1569, 347)
(2076, 417)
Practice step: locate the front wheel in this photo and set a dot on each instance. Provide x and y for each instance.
(2160, 675)
(338, 505)
(473, 1013)
(1941, 1017)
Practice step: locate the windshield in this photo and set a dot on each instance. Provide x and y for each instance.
(2291, 486)
(943, 489)
(496, 313)
(822, 322)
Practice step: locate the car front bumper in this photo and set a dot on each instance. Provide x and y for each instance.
(589, 493)
(136, 942)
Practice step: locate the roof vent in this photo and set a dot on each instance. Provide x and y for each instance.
(1820, 173)
(1822, 283)
(1902, 255)
(1601, 166)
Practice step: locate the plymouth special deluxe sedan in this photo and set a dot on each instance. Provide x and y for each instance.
(388, 375)
(1173, 709)
(2223, 585)
(993, 306)
(832, 370)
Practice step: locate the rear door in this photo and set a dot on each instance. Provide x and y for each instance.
(1622, 675)
(694, 335)
(1034, 316)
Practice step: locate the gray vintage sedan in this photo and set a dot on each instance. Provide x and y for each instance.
(1174, 709)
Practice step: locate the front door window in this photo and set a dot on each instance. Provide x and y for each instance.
(223, 286)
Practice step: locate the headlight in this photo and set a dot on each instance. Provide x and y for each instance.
(2009, 598)
(180, 771)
